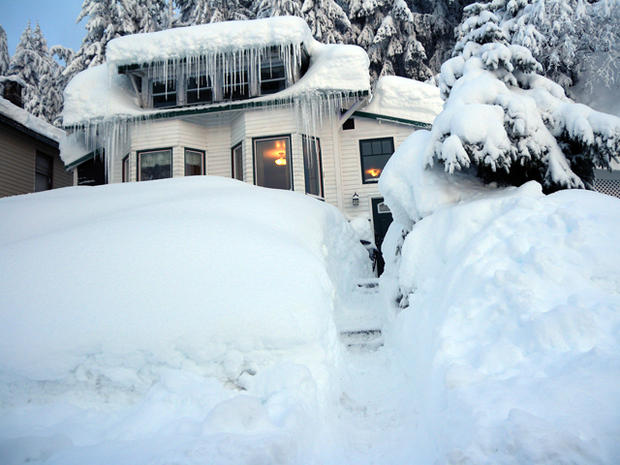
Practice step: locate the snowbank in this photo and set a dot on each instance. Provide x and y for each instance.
(33, 123)
(509, 326)
(184, 320)
(405, 98)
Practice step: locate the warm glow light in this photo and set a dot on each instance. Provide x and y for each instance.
(280, 161)
(374, 172)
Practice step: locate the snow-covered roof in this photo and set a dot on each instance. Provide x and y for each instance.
(405, 98)
(205, 39)
(101, 93)
(30, 121)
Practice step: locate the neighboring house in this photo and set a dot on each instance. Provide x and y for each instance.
(260, 101)
(29, 153)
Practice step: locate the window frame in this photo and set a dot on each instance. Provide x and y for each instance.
(139, 154)
(317, 140)
(166, 93)
(288, 161)
(125, 169)
(374, 181)
(233, 164)
(202, 153)
(49, 175)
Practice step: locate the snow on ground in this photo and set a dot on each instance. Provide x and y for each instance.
(506, 319)
(173, 321)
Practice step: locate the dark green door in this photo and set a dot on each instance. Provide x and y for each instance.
(381, 220)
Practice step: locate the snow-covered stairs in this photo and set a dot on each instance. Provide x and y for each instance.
(359, 318)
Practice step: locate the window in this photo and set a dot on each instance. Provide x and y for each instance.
(164, 93)
(126, 168)
(154, 164)
(199, 90)
(237, 162)
(44, 166)
(194, 162)
(313, 172)
(374, 154)
(272, 75)
(272, 162)
(236, 85)
(348, 125)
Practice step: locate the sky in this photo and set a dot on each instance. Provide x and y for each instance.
(56, 18)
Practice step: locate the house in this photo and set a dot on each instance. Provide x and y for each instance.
(260, 101)
(29, 149)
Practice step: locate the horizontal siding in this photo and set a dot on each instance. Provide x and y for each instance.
(17, 162)
(351, 162)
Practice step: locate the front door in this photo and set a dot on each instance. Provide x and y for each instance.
(381, 220)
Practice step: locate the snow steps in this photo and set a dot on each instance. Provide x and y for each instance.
(364, 340)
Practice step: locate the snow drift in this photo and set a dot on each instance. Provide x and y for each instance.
(178, 318)
(506, 314)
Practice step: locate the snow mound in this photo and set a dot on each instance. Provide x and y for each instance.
(405, 98)
(509, 322)
(184, 320)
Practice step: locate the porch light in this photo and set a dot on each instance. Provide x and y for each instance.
(355, 200)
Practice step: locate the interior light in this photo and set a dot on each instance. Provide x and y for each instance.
(374, 172)
(280, 161)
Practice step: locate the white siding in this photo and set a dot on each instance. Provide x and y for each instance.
(351, 162)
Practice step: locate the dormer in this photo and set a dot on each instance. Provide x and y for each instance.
(194, 66)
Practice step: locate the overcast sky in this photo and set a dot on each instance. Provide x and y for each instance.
(56, 18)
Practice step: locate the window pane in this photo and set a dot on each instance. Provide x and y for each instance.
(238, 163)
(43, 173)
(272, 163)
(155, 165)
(236, 86)
(193, 162)
(164, 93)
(42, 182)
(312, 166)
(199, 90)
(374, 155)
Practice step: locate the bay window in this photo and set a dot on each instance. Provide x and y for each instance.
(272, 162)
(154, 164)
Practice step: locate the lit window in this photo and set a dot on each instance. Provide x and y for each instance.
(44, 166)
(272, 162)
(312, 166)
(155, 164)
(374, 154)
(237, 162)
(126, 168)
(194, 162)
(164, 93)
(199, 90)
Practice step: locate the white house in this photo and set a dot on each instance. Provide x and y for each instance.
(260, 101)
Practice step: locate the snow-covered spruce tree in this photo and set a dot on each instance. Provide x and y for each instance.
(269, 8)
(193, 12)
(4, 53)
(327, 20)
(505, 120)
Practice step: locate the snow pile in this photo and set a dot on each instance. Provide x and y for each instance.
(509, 325)
(186, 321)
(33, 123)
(405, 98)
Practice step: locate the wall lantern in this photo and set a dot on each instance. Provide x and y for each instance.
(355, 200)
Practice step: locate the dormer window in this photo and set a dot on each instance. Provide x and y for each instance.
(199, 90)
(164, 93)
(236, 86)
(272, 77)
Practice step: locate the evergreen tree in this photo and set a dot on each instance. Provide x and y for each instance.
(327, 20)
(4, 53)
(506, 120)
(270, 8)
(211, 11)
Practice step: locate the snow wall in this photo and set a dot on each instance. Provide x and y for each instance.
(186, 321)
(506, 316)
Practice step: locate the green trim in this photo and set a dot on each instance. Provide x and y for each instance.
(417, 124)
(213, 109)
(80, 160)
